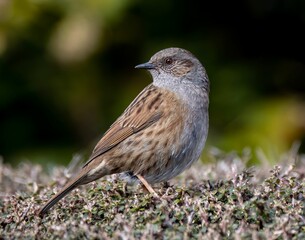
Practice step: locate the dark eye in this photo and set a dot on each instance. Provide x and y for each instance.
(168, 61)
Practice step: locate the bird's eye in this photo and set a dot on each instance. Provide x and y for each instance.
(168, 61)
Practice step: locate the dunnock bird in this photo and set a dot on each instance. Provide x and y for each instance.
(161, 133)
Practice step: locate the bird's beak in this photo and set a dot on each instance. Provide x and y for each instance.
(147, 65)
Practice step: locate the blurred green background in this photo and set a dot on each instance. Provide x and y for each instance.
(67, 70)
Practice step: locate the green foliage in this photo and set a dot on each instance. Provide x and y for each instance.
(66, 69)
(219, 200)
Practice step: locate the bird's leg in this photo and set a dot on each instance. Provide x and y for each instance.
(147, 186)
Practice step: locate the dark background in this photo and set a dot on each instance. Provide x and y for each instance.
(67, 70)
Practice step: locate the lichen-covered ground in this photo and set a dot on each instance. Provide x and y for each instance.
(220, 200)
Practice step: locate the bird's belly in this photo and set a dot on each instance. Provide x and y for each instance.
(161, 155)
(171, 163)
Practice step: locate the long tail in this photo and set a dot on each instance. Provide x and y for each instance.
(73, 183)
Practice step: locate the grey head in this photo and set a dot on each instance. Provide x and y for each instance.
(172, 66)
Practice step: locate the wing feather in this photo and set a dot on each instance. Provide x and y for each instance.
(129, 123)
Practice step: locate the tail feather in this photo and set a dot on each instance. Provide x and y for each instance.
(66, 189)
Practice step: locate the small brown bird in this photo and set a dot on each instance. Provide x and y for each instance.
(161, 133)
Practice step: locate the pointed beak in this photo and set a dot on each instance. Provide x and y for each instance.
(147, 65)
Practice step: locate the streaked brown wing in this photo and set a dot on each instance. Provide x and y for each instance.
(134, 119)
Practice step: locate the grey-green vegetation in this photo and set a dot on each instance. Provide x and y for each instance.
(219, 200)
